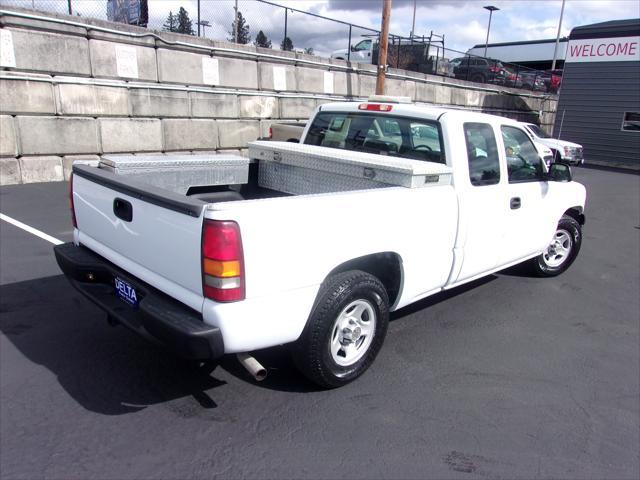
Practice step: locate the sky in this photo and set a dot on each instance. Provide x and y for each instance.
(462, 22)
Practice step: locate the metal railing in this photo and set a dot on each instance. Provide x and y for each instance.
(270, 25)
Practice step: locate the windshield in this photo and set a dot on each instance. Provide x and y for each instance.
(538, 132)
(379, 134)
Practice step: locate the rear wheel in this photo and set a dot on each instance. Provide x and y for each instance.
(561, 251)
(345, 331)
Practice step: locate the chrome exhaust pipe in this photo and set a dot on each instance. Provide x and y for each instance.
(256, 370)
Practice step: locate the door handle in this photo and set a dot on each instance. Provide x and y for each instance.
(123, 209)
(515, 203)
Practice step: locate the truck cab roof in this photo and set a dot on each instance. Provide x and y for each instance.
(425, 112)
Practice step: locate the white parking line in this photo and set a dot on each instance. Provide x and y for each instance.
(33, 231)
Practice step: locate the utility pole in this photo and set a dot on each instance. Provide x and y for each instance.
(555, 50)
(198, 18)
(384, 43)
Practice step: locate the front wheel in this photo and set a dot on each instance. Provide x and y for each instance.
(561, 251)
(345, 330)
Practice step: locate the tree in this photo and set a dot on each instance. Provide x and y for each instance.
(171, 24)
(286, 44)
(309, 50)
(262, 40)
(184, 23)
(241, 28)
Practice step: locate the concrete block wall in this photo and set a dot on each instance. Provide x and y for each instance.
(71, 93)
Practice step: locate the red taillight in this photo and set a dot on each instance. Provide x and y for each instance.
(222, 261)
(270, 132)
(73, 210)
(375, 107)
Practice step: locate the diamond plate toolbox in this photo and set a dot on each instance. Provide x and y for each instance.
(180, 172)
(306, 169)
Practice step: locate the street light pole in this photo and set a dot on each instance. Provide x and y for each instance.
(413, 23)
(384, 42)
(235, 23)
(491, 9)
(555, 50)
(204, 24)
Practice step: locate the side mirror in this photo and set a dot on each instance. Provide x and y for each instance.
(559, 172)
(353, 49)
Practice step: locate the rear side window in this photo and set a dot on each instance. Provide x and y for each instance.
(523, 161)
(380, 134)
(482, 153)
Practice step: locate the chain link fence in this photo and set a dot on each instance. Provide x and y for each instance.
(270, 25)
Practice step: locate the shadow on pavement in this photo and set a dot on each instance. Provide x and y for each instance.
(519, 270)
(283, 376)
(106, 370)
(440, 297)
(113, 371)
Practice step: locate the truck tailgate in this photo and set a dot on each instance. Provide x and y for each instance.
(160, 244)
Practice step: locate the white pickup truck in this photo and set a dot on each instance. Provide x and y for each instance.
(562, 150)
(250, 267)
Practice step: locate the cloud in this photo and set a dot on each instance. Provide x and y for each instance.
(376, 5)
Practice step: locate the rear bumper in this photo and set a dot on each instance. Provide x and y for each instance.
(158, 317)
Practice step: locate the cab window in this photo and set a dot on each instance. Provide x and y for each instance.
(363, 45)
(425, 137)
(482, 154)
(523, 161)
(381, 134)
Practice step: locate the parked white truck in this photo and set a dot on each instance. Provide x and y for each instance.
(382, 204)
(563, 151)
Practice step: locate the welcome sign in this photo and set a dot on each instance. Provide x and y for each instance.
(620, 49)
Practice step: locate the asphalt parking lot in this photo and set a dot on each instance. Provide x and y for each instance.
(510, 377)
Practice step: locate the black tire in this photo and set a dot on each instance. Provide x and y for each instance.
(478, 78)
(543, 267)
(312, 352)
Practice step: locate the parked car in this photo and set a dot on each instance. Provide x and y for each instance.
(563, 151)
(552, 80)
(531, 80)
(481, 70)
(415, 200)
